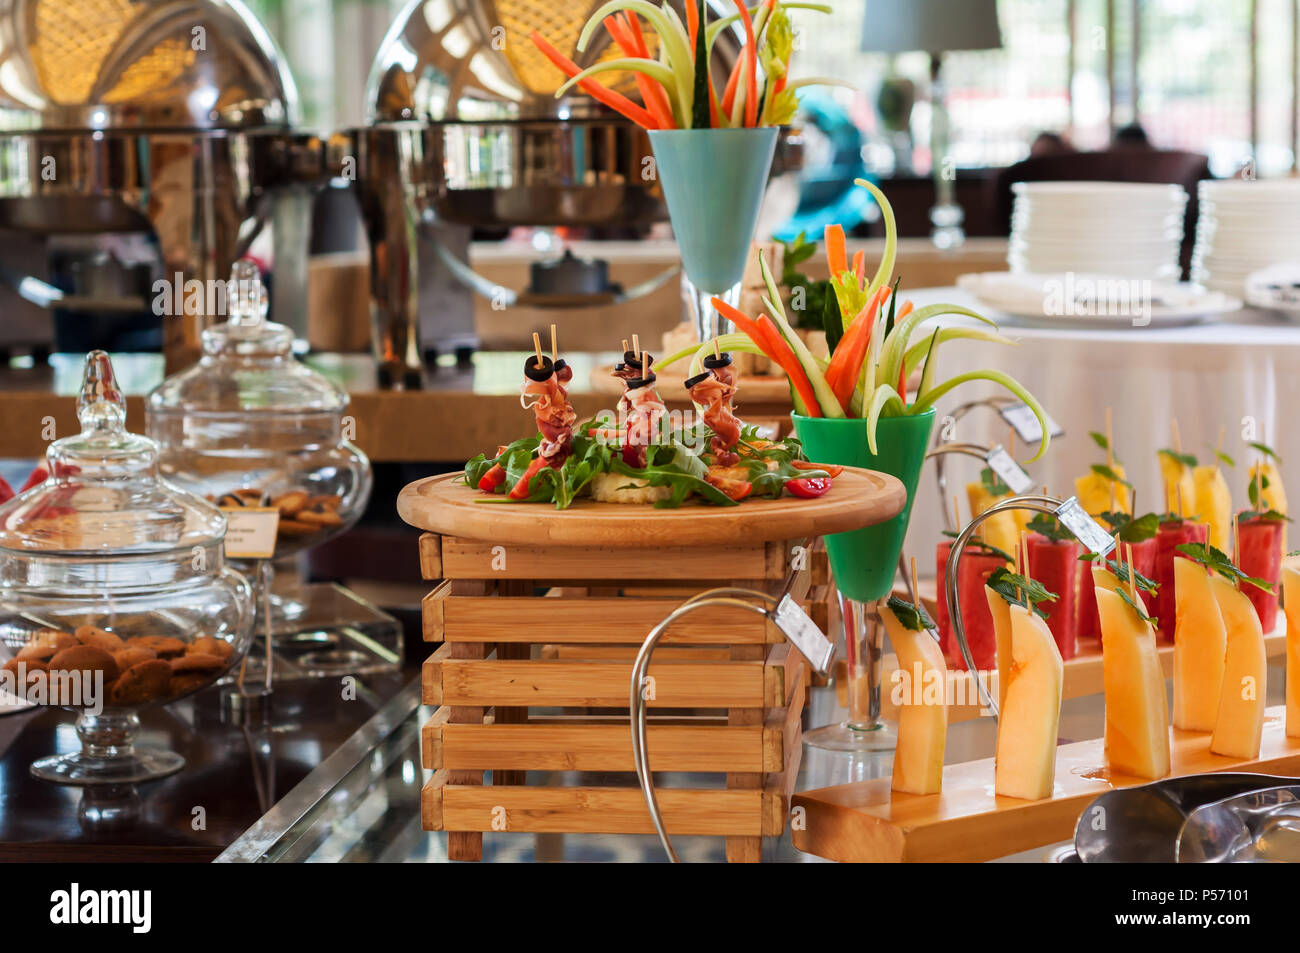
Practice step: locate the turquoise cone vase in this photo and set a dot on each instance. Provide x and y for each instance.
(713, 181)
(864, 562)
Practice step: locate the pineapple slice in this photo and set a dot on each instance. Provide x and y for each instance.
(1031, 710)
(1291, 603)
(1240, 722)
(1179, 485)
(1001, 529)
(1214, 505)
(1200, 643)
(1272, 496)
(1137, 723)
(923, 715)
(1094, 492)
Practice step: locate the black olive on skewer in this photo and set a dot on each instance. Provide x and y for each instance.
(538, 371)
(636, 382)
(713, 362)
(692, 381)
(560, 365)
(633, 359)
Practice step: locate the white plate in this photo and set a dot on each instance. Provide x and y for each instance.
(1276, 288)
(1025, 297)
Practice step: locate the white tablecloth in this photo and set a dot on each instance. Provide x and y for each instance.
(1225, 374)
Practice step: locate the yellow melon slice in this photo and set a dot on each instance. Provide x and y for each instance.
(1200, 643)
(1291, 598)
(999, 530)
(1031, 710)
(1137, 724)
(1178, 483)
(923, 715)
(1001, 612)
(1272, 496)
(1094, 492)
(1240, 722)
(1214, 505)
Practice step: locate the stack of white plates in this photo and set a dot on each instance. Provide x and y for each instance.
(1244, 226)
(1125, 229)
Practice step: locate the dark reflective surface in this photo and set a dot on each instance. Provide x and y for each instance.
(233, 774)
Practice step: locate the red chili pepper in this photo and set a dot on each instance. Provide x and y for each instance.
(6, 491)
(489, 482)
(809, 487)
(830, 468)
(37, 476)
(520, 490)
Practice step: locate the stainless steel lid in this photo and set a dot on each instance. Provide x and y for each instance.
(472, 61)
(128, 64)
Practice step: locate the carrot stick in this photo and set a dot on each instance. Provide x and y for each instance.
(633, 30)
(733, 83)
(859, 263)
(615, 101)
(764, 334)
(658, 106)
(846, 362)
(904, 310)
(835, 256)
(751, 66)
(692, 24)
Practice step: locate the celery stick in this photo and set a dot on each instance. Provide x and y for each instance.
(825, 396)
(926, 399)
(891, 237)
(633, 64)
(916, 353)
(671, 34)
(884, 398)
(895, 348)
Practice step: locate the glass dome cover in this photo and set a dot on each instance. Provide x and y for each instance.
(248, 363)
(105, 494)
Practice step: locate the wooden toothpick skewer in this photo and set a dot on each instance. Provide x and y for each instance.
(1132, 573)
(625, 347)
(636, 344)
(537, 349)
(956, 513)
(553, 352)
(1236, 542)
(1181, 514)
(916, 589)
(1218, 451)
(716, 352)
(1178, 440)
(1110, 443)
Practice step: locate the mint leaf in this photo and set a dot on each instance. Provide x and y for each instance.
(1186, 459)
(1049, 526)
(1224, 458)
(1135, 607)
(1019, 590)
(913, 617)
(980, 546)
(1218, 561)
(1266, 451)
(1099, 439)
(1267, 516)
(1104, 471)
(1121, 571)
(992, 483)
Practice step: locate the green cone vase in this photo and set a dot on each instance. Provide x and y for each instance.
(865, 561)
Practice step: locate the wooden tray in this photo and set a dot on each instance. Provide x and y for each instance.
(967, 822)
(444, 505)
(765, 390)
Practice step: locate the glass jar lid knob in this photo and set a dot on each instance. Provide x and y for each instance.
(100, 405)
(248, 301)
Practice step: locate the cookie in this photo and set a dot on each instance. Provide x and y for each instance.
(132, 655)
(145, 681)
(44, 643)
(187, 682)
(99, 638)
(319, 515)
(85, 658)
(290, 503)
(164, 646)
(198, 662)
(327, 499)
(244, 497)
(210, 646)
(296, 528)
(33, 669)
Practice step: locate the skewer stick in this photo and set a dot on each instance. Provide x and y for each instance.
(537, 349)
(1110, 443)
(956, 512)
(1132, 574)
(1181, 514)
(1178, 440)
(716, 352)
(916, 591)
(625, 347)
(553, 352)
(636, 344)
(1236, 542)
(1218, 451)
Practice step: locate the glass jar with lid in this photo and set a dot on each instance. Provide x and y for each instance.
(114, 591)
(250, 425)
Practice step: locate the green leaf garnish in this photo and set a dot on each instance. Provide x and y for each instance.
(1020, 590)
(1218, 561)
(1104, 471)
(1266, 516)
(982, 546)
(992, 483)
(1099, 439)
(1224, 458)
(1135, 607)
(912, 617)
(1131, 530)
(1186, 459)
(1049, 526)
(1121, 571)
(1266, 451)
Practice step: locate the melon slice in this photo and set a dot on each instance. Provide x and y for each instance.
(1240, 723)
(1214, 505)
(1200, 643)
(1291, 600)
(1000, 609)
(1093, 491)
(1030, 711)
(923, 715)
(1137, 723)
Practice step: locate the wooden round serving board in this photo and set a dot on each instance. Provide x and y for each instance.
(672, 387)
(442, 504)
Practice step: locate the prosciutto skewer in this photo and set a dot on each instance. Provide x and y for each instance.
(713, 390)
(645, 410)
(544, 394)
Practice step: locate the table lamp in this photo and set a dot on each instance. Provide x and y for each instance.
(935, 27)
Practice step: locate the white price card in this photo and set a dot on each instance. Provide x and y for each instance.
(803, 633)
(250, 531)
(1026, 425)
(1086, 529)
(1008, 471)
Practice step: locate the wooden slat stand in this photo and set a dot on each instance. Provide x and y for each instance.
(533, 676)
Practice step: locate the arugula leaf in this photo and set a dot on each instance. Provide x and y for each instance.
(992, 483)
(1102, 470)
(481, 464)
(1266, 451)
(1186, 459)
(1135, 607)
(1020, 590)
(1049, 526)
(912, 617)
(1218, 561)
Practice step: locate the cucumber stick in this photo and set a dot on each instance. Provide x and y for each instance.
(825, 396)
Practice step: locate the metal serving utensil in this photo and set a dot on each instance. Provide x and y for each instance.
(1142, 824)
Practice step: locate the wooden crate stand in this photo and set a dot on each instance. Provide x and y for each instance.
(533, 675)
